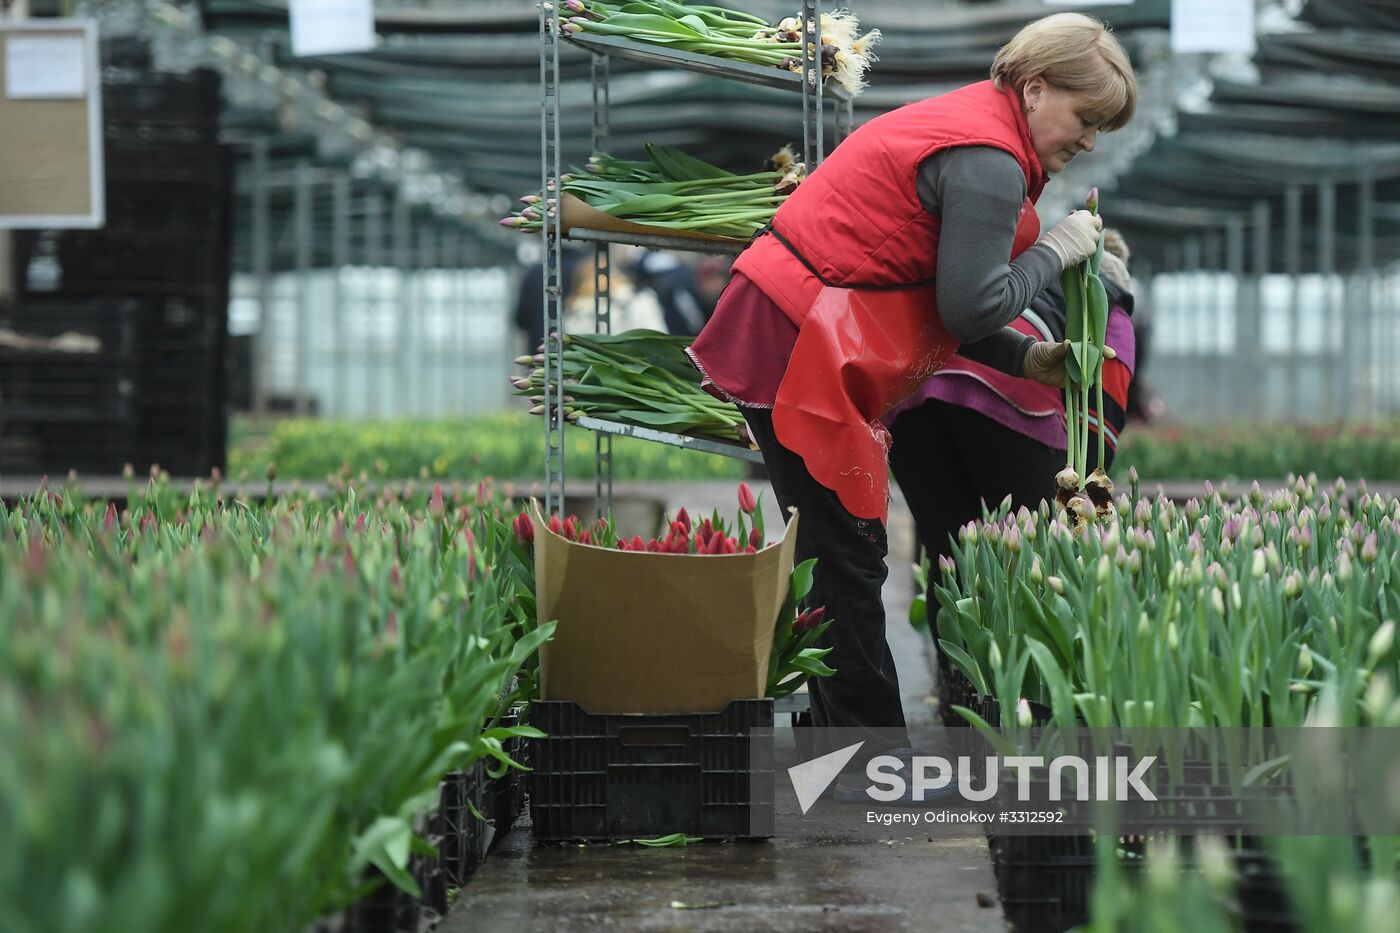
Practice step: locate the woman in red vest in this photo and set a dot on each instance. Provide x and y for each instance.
(916, 239)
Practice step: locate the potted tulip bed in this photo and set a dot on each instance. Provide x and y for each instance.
(226, 716)
(1271, 611)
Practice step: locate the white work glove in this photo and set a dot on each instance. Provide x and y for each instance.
(1075, 238)
(1045, 362)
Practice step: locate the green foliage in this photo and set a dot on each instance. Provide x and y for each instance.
(1254, 451)
(216, 715)
(507, 446)
(1208, 614)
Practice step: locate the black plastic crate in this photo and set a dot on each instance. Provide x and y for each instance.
(1046, 882)
(464, 835)
(387, 909)
(507, 794)
(954, 689)
(189, 98)
(607, 777)
(202, 168)
(198, 207)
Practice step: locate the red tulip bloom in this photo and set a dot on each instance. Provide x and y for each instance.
(683, 519)
(524, 529)
(755, 539)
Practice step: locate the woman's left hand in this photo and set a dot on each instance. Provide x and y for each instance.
(1045, 362)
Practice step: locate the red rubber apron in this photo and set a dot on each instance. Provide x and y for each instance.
(860, 352)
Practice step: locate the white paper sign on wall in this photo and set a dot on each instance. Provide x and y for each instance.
(332, 27)
(1212, 26)
(45, 68)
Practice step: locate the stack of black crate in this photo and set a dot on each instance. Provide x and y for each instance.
(163, 256)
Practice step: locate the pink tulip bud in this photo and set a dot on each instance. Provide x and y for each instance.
(747, 503)
(1368, 549)
(585, 538)
(360, 523)
(1092, 201)
(755, 539)
(555, 526)
(109, 521)
(395, 577)
(435, 504)
(683, 519)
(638, 544)
(946, 565)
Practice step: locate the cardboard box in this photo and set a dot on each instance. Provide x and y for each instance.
(657, 633)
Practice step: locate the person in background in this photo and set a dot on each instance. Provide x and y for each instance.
(711, 276)
(673, 283)
(629, 306)
(529, 298)
(979, 435)
(917, 238)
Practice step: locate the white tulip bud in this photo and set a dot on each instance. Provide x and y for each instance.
(1381, 642)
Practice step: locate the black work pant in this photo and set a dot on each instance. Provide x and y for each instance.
(950, 461)
(947, 460)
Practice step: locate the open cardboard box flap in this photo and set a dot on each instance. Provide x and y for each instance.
(657, 633)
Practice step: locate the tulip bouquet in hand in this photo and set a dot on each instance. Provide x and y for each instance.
(795, 655)
(1086, 327)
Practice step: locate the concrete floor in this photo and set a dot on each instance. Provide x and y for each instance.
(848, 880)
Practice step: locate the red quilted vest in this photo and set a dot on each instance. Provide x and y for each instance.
(857, 218)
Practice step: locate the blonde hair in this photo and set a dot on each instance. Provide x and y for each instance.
(1114, 244)
(1076, 53)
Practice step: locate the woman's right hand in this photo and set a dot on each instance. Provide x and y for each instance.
(1075, 238)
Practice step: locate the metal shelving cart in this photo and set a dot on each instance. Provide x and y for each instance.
(603, 48)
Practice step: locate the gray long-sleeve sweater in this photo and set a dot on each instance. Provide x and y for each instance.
(977, 192)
